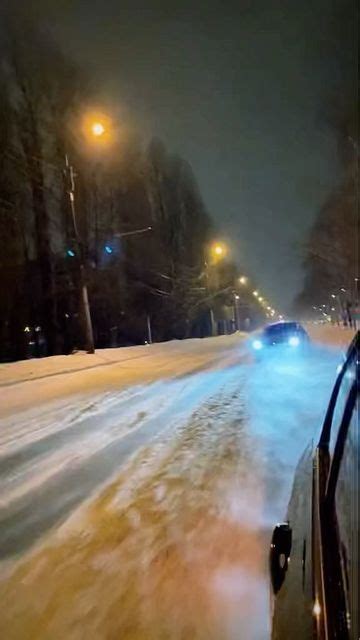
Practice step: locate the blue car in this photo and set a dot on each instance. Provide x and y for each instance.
(287, 335)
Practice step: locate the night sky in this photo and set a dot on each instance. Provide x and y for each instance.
(238, 89)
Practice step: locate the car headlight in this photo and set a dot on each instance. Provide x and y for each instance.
(294, 341)
(257, 344)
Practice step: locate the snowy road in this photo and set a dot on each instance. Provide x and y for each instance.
(138, 498)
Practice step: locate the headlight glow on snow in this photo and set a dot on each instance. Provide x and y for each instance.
(257, 344)
(294, 341)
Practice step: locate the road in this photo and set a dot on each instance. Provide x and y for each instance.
(138, 498)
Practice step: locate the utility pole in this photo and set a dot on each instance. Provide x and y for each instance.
(148, 322)
(84, 299)
(236, 311)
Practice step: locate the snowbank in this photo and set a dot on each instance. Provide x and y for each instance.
(330, 335)
(34, 369)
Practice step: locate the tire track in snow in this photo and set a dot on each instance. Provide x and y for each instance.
(43, 496)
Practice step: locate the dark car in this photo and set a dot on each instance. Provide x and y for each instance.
(314, 554)
(289, 335)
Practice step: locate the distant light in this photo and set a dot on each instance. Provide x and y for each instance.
(257, 344)
(27, 329)
(256, 294)
(294, 341)
(315, 308)
(323, 306)
(97, 129)
(71, 253)
(317, 608)
(261, 299)
(37, 329)
(268, 308)
(343, 290)
(243, 280)
(332, 308)
(108, 249)
(237, 297)
(333, 295)
(281, 317)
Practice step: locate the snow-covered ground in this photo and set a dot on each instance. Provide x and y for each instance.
(138, 497)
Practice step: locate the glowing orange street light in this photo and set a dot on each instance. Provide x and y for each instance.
(97, 129)
(218, 251)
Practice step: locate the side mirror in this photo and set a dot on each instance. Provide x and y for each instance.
(280, 548)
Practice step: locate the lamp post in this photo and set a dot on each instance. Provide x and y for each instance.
(214, 254)
(97, 130)
(84, 298)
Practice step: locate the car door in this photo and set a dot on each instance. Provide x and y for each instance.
(336, 521)
(292, 578)
(307, 604)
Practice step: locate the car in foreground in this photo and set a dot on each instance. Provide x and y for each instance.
(314, 553)
(290, 336)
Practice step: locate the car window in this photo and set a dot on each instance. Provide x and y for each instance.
(346, 384)
(347, 513)
(282, 329)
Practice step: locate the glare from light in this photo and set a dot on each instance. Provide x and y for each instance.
(339, 368)
(317, 608)
(257, 344)
(333, 295)
(256, 294)
(27, 329)
(108, 249)
(218, 251)
(281, 317)
(237, 297)
(71, 253)
(294, 341)
(343, 290)
(243, 280)
(97, 129)
(261, 299)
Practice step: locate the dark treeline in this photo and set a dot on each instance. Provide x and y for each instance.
(332, 249)
(155, 279)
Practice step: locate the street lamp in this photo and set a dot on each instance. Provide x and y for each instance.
(216, 252)
(97, 129)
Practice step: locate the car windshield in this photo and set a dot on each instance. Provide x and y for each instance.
(282, 330)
